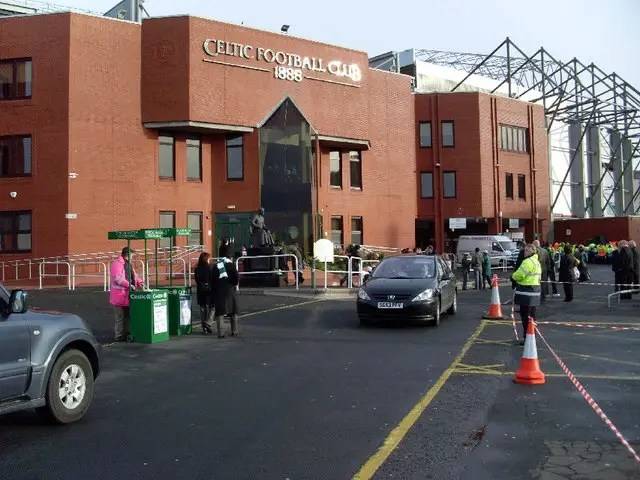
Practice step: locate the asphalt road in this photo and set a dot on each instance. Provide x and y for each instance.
(306, 393)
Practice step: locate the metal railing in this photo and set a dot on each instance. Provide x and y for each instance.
(105, 274)
(42, 273)
(174, 273)
(280, 271)
(618, 293)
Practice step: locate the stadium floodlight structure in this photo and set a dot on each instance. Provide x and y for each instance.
(595, 103)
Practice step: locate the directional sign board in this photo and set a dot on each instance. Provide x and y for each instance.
(148, 233)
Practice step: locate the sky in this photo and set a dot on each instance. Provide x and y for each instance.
(605, 32)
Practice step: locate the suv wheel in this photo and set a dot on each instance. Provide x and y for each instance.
(70, 388)
(454, 305)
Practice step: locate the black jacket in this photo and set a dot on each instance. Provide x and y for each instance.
(224, 279)
(636, 260)
(626, 261)
(565, 272)
(203, 285)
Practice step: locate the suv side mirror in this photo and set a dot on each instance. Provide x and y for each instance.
(18, 301)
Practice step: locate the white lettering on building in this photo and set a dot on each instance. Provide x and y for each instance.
(286, 66)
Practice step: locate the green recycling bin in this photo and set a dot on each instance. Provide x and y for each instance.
(179, 310)
(149, 316)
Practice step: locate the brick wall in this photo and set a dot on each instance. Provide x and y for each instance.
(45, 117)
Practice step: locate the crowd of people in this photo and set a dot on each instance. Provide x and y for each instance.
(536, 267)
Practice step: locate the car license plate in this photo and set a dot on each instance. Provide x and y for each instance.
(390, 305)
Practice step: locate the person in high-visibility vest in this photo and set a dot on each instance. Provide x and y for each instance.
(527, 290)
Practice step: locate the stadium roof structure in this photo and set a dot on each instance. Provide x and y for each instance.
(571, 92)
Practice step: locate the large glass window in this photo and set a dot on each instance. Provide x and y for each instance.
(166, 157)
(235, 161)
(286, 146)
(194, 222)
(15, 232)
(337, 230)
(194, 160)
(522, 187)
(15, 156)
(167, 220)
(508, 181)
(448, 135)
(15, 79)
(449, 179)
(426, 185)
(513, 139)
(425, 134)
(356, 169)
(356, 231)
(335, 169)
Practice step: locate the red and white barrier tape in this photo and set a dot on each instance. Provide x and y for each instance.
(513, 317)
(585, 325)
(589, 399)
(596, 284)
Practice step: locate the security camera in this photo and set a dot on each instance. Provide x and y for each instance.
(13, 194)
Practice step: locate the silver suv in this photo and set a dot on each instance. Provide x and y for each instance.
(48, 360)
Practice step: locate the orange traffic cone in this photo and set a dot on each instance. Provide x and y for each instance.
(529, 372)
(495, 309)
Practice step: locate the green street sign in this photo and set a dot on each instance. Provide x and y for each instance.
(149, 233)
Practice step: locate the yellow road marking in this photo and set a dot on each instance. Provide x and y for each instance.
(483, 341)
(394, 438)
(490, 369)
(631, 378)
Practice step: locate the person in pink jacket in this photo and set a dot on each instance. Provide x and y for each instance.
(123, 279)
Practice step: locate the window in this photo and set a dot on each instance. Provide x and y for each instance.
(425, 134)
(356, 230)
(356, 169)
(513, 139)
(522, 187)
(449, 184)
(509, 185)
(167, 220)
(15, 79)
(335, 169)
(426, 185)
(167, 159)
(194, 222)
(447, 134)
(15, 156)
(336, 230)
(235, 162)
(194, 159)
(15, 232)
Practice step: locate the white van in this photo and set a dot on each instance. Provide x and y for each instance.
(501, 249)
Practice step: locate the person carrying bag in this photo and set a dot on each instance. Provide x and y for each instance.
(225, 279)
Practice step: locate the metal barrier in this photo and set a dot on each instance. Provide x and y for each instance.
(42, 274)
(327, 271)
(104, 276)
(295, 271)
(618, 293)
(173, 274)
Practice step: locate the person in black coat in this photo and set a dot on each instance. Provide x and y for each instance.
(203, 292)
(616, 266)
(566, 273)
(636, 263)
(626, 269)
(225, 279)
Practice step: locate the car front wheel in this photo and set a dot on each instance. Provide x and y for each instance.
(70, 388)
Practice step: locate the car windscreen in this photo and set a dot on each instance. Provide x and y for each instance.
(509, 245)
(406, 267)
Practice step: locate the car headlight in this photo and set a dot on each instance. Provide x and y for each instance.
(426, 295)
(362, 294)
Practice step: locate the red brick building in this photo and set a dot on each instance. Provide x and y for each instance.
(183, 121)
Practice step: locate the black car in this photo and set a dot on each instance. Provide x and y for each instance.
(412, 287)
